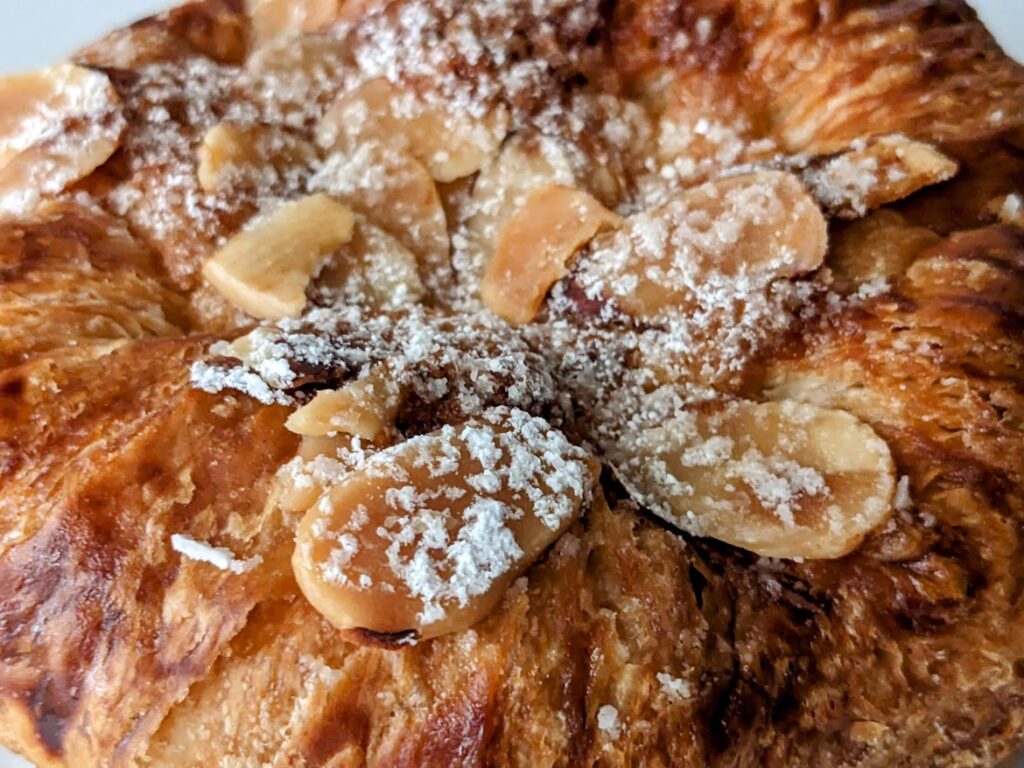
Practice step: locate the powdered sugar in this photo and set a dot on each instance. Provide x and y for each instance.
(845, 181)
(593, 365)
(674, 687)
(608, 720)
(778, 483)
(218, 557)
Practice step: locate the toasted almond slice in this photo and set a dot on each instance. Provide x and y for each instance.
(373, 270)
(754, 227)
(364, 408)
(57, 126)
(277, 18)
(318, 466)
(505, 182)
(881, 245)
(612, 155)
(258, 156)
(450, 144)
(425, 538)
(535, 246)
(781, 479)
(265, 270)
(247, 348)
(501, 189)
(882, 171)
(394, 192)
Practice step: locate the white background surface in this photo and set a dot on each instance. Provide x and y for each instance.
(34, 33)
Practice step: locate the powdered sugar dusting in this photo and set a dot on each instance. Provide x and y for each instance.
(664, 315)
(608, 720)
(218, 557)
(674, 687)
(845, 180)
(453, 503)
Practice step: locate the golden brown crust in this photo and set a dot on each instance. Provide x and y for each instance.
(114, 650)
(815, 72)
(97, 479)
(74, 273)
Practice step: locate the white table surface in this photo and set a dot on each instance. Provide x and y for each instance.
(34, 33)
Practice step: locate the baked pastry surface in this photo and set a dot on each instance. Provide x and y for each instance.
(629, 641)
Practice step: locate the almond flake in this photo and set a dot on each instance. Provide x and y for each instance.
(364, 408)
(265, 270)
(57, 126)
(256, 156)
(535, 246)
(880, 171)
(450, 144)
(280, 18)
(742, 229)
(394, 192)
(781, 479)
(426, 535)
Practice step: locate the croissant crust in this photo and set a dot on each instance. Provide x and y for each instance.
(114, 650)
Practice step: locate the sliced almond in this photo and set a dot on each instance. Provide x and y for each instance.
(523, 165)
(262, 157)
(707, 122)
(427, 535)
(535, 246)
(250, 348)
(942, 275)
(781, 479)
(882, 171)
(451, 144)
(394, 192)
(319, 464)
(265, 270)
(373, 270)
(57, 126)
(277, 18)
(501, 189)
(363, 408)
(755, 227)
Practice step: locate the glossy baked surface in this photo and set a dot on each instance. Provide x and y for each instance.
(627, 643)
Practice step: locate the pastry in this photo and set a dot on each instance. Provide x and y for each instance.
(416, 382)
